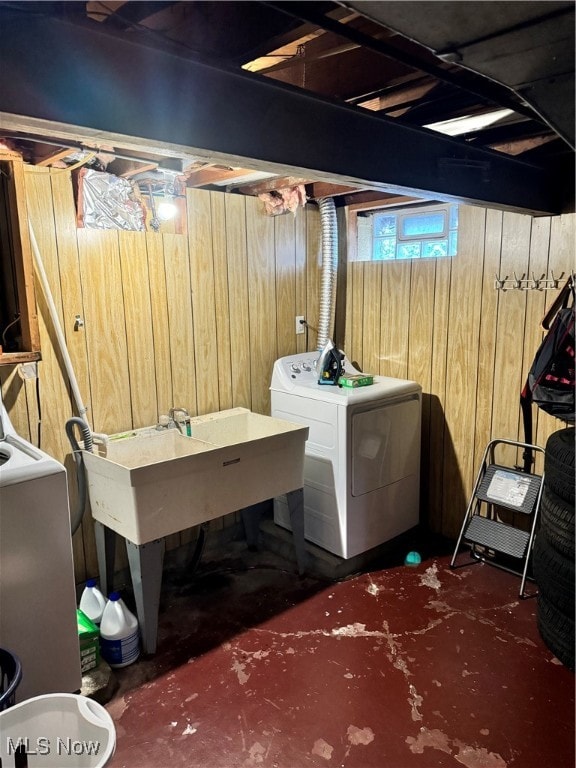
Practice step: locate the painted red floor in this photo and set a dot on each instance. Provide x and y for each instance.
(421, 667)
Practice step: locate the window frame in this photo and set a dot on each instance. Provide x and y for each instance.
(401, 206)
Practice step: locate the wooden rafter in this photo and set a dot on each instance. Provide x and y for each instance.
(270, 185)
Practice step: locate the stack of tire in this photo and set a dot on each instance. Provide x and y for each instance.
(554, 548)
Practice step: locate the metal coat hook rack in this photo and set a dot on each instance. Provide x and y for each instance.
(526, 283)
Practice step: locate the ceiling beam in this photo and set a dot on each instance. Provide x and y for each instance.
(468, 81)
(121, 88)
(210, 174)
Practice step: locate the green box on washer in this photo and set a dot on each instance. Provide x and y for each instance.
(352, 380)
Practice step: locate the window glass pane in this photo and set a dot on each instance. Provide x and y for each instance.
(384, 248)
(384, 224)
(434, 249)
(408, 251)
(424, 224)
(453, 217)
(452, 243)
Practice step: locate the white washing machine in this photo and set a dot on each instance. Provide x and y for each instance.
(362, 456)
(37, 591)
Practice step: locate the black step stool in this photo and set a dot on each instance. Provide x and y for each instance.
(500, 486)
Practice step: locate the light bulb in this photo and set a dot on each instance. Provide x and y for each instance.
(167, 210)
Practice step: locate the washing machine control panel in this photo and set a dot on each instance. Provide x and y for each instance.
(300, 369)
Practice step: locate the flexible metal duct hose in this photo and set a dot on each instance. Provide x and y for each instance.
(80, 473)
(329, 224)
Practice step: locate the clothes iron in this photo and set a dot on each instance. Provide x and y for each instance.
(330, 364)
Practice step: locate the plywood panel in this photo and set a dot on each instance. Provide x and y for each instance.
(178, 293)
(14, 397)
(355, 312)
(69, 277)
(105, 330)
(421, 316)
(138, 319)
(57, 406)
(509, 341)
(221, 299)
(203, 300)
(300, 249)
(371, 318)
(262, 302)
(53, 380)
(488, 332)
(83, 542)
(462, 368)
(394, 319)
(440, 442)
(419, 346)
(285, 251)
(160, 322)
(236, 247)
(313, 272)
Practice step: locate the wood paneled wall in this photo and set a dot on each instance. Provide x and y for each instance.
(192, 320)
(442, 323)
(197, 321)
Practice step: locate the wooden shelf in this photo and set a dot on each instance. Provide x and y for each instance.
(16, 268)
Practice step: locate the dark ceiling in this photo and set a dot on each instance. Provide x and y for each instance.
(405, 65)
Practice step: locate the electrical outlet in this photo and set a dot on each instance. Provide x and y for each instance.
(300, 320)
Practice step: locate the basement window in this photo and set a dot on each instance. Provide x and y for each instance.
(428, 231)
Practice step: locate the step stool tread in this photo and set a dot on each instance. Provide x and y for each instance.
(510, 488)
(498, 536)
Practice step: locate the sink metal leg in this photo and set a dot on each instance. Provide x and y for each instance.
(145, 562)
(251, 517)
(106, 554)
(295, 501)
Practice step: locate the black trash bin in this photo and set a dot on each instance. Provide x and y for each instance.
(10, 676)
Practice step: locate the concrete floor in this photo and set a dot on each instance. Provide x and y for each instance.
(396, 667)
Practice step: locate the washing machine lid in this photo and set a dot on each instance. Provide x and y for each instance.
(297, 375)
(20, 461)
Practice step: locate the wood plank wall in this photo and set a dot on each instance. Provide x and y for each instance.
(442, 323)
(192, 320)
(197, 321)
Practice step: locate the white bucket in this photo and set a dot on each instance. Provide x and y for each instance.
(56, 730)
(119, 634)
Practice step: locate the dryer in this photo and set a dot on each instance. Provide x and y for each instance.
(362, 456)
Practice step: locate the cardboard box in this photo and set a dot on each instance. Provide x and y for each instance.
(89, 638)
(352, 380)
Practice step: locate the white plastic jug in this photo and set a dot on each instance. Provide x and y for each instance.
(119, 634)
(92, 602)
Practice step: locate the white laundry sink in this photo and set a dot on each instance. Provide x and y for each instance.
(147, 484)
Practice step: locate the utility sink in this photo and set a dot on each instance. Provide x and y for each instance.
(146, 484)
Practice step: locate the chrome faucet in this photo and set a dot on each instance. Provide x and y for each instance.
(178, 421)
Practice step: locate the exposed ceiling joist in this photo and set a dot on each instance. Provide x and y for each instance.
(242, 119)
(525, 47)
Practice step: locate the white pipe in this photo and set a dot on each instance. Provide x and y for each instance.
(81, 408)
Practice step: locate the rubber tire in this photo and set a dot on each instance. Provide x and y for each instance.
(557, 631)
(554, 575)
(557, 522)
(559, 464)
